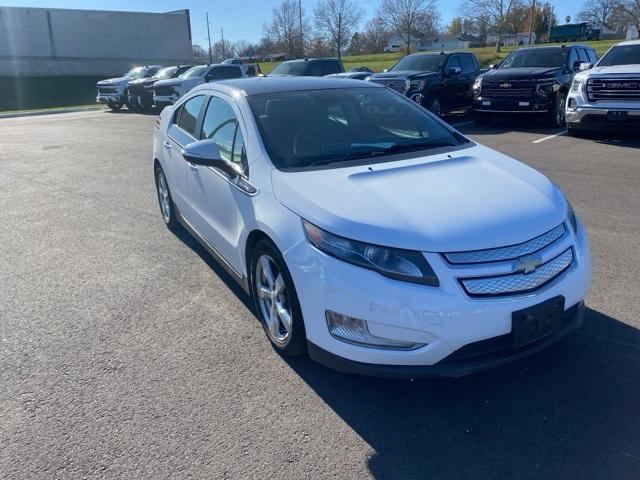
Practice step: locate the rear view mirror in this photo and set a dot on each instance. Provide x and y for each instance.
(586, 66)
(207, 154)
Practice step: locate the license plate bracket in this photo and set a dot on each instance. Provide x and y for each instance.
(617, 115)
(536, 322)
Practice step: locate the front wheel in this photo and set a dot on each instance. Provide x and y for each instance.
(114, 106)
(435, 106)
(556, 114)
(276, 300)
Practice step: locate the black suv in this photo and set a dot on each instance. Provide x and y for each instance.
(530, 81)
(438, 81)
(308, 67)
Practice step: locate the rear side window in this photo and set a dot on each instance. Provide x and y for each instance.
(329, 67)
(468, 64)
(314, 70)
(582, 56)
(187, 117)
(223, 73)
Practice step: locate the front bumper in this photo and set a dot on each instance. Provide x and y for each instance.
(443, 318)
(512, 105)
(111, 98)
(471, 358)
(165, 99)
(594, 117)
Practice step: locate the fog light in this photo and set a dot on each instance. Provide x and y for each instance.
(572, 105)
(354, 330)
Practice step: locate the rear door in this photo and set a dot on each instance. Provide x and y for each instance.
(467, 77)
(454, 86)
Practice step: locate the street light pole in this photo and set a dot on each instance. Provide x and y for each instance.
(209, 37)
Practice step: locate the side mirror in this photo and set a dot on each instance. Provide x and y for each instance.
(493, 66)
(576, 65)
(586, 66)
(207, 154)
(385, 70)
(452, 72)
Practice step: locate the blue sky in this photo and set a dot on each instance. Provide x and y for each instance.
(241, 19)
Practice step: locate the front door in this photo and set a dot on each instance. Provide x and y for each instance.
(216, 200)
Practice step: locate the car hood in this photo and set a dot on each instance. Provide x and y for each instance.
(115, 81)
(475, 198)
(403, 73)
(184, 82)
(520, 73)
(613, 70)
(141, 81)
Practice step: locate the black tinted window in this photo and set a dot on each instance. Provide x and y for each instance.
(535, 58)
(468, 64)
(621, 55)
(454, 62)
(329, 67)
(223, 73)
(425, 62)
(189, 114)
(314, 70)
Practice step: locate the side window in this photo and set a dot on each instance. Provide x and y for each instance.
(468, 64)
(573, 57)
(189, 113)
(592, 56)
(582, 55)
(221, 125)
(329, 67)
(454, 62)
(314, 70)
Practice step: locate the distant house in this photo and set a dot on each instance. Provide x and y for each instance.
(445, 42)
(512, 39)
(632, 32)
(275, 57)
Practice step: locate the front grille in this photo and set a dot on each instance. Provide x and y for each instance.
(398, 84)
(519, 282)
(163, 90)
(507, 253)
(107, 89)
(614, 88)
(507, 89)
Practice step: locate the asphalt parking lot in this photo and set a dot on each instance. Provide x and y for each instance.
(126, 352)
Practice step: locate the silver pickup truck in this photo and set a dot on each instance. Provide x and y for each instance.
(606, 97)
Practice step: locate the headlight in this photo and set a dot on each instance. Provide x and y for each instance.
(477, 85)
(545, 87)
(571, 216)
(405, 265)
(417, 84)
(575, 85)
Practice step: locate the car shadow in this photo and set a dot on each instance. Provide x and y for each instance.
(126, 111)
(570, 411)
(620, 139)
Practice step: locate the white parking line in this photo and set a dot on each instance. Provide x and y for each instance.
(462, 124)
(540, 140)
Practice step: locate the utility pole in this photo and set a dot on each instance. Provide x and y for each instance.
(550, 23)
(300, 18)
(222, 40)
(533, 7)
(209, 37)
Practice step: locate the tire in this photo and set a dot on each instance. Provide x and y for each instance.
(556, 117)
(276, 301)
(434, 105)
(114, 106)
(165, 202)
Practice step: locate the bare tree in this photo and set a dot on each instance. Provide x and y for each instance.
(599, 12)
(376, 35)
(497, 11)
(629, 12)
(337, 20)
(410, 18)
(285, 27)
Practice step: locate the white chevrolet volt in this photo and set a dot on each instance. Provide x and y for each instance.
(370, 234)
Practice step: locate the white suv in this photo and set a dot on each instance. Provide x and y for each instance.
(607, 96)
(166, 92)
(369, 233)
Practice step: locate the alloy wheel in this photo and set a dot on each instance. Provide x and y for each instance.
(163, 197)
(272, 299)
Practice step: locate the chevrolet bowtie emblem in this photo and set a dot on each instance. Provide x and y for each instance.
(528, 264)
(505, 85)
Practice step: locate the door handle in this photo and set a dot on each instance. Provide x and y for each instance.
(167, 144)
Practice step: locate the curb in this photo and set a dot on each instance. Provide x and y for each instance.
(49, 112)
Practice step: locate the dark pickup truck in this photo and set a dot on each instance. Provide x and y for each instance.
(440, 82)
(531, 81)
(140, 91)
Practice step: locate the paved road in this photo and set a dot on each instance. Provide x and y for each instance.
(125, 352)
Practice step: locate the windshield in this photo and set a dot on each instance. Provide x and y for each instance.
(535, 57)
(194, 72)
(423, 63)
(288, 68)
(321, 127)
(137, 72)
(164, 73)
(621, 55)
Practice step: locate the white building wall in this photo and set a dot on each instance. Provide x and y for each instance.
(43, 42)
